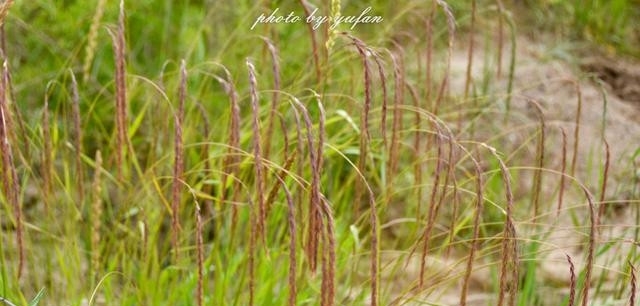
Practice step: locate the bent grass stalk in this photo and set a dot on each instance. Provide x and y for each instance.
(275, 69)
(509, 242)
(416, 149)
(231, 160)
(433, 209)
(451, 28)
(314, 42)
(257, 151)
(315, 217)
(363, 51)
(383, 83)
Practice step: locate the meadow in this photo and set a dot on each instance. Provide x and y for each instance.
(460, 152)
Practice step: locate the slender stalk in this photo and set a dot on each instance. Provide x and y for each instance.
(433, 210)
(537, 180)
(576, 131)
(47, 158)
(593, 222)
(467, 81)
(77, 138)
(178, 164)
(509, 242)
(562, 171)
(257, 151)
(96, 218)
(451, 26)
(314, 43)
(365, 137)
(119, 46)
(275, 67)
(605, 177)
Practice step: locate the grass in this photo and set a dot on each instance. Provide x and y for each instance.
(197, 162)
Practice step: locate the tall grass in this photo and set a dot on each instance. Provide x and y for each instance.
(314, 174)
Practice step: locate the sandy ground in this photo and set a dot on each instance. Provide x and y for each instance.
(551, 82)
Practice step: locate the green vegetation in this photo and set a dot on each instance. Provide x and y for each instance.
(156, 153)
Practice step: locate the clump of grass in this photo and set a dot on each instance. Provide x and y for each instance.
(10, 180)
